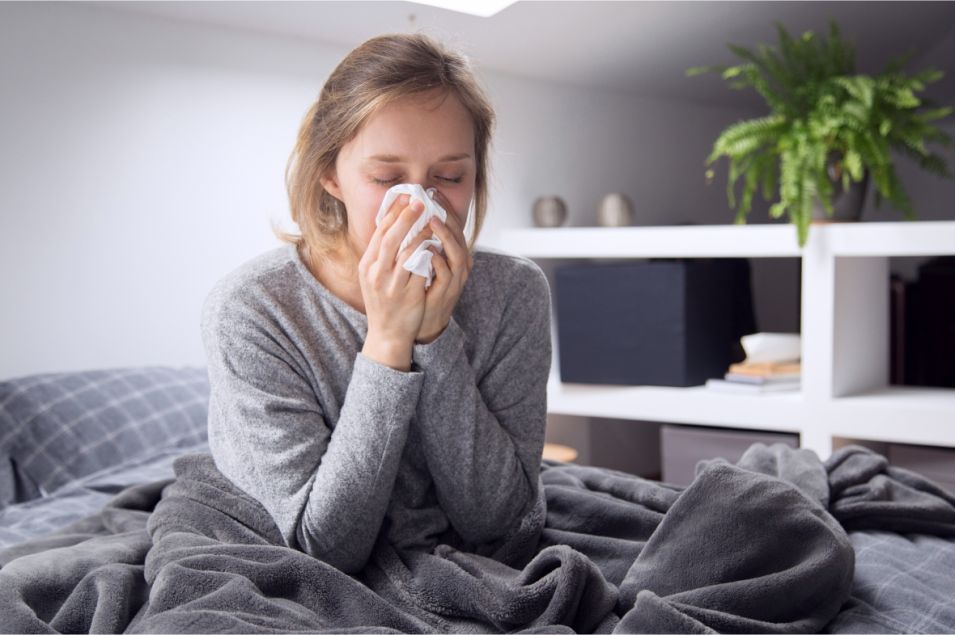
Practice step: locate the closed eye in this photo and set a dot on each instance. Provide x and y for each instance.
(381, 182)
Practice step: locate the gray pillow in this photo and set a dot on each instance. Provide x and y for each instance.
(57, 427)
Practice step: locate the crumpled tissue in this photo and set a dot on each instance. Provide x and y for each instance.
(419, 262)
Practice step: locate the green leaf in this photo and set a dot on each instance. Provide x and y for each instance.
(860, 87)
(732, 71)
(745, 53)
(896, 64)
(936, 164)
(929, 75)
(854, 115)
(699, 70)
(905, 98)
(731, 183)
(820, 108)
(934, 113)
(853, 163)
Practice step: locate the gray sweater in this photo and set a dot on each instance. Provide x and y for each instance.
(341, 449)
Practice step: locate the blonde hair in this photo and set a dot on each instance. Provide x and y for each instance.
(378, 72)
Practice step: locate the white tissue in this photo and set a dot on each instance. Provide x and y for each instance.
(419, 262)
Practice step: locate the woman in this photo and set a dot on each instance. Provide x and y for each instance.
(345, 397)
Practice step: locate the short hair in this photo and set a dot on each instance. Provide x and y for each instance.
(378, 72)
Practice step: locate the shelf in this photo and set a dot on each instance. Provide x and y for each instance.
(903, 414)
(780, 412)
(844, 329)
(680, 241)
(774, 240)
(904, 238)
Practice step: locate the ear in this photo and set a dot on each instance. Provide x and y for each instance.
(330, 184)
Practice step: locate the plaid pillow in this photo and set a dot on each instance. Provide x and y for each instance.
(57, 427)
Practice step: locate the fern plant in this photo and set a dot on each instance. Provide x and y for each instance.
(826, 126)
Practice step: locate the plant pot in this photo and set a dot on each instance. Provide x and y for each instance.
(846, 204)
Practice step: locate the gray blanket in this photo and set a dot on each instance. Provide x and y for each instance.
(760, 546)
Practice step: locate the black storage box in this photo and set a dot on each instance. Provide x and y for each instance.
(661, 322)
(934, 323)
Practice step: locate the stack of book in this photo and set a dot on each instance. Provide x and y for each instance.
(773, 364)
(758, 377)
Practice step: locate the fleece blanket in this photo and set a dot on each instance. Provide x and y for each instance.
(756, 546)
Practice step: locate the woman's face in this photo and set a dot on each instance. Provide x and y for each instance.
(426, 139)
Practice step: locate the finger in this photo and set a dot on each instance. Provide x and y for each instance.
(456, 253)
(422, 236)
(391, 241)
(394, 210)
(453, 223)
(386, 222)
(442, 273)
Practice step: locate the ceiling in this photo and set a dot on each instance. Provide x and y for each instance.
(638, 47)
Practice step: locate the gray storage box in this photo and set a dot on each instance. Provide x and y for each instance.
(937, 464)
(681, 447)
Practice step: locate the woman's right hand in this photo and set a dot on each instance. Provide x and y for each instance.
(393, 296)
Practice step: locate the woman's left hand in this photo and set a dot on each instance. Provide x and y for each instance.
(451, 270)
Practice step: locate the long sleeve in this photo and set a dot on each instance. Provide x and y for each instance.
(483, 436)
(326, 488)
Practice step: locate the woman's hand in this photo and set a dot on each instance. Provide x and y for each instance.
(394, 297)
(451, 271)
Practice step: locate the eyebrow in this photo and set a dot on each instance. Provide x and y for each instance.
(391, 158)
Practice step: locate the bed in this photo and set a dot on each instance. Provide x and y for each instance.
(113, 518)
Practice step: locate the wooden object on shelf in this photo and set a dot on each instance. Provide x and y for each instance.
(557, 452)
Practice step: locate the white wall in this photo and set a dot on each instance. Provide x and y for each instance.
(142, 159)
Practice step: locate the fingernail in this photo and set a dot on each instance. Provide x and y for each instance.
(417, 205)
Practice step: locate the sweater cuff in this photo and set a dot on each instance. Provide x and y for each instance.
(381, 379)
(387, 372)
(440, 354)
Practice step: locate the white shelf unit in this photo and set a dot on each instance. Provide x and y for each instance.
(845, 331)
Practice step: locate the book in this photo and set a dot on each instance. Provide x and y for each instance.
(722, 385)
(760, 379)
(766, 369)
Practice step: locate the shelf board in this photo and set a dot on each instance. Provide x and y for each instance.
(903, 414)
(678, 241)
(782, 412)
(902, 238)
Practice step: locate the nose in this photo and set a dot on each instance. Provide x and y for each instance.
(439, 197)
